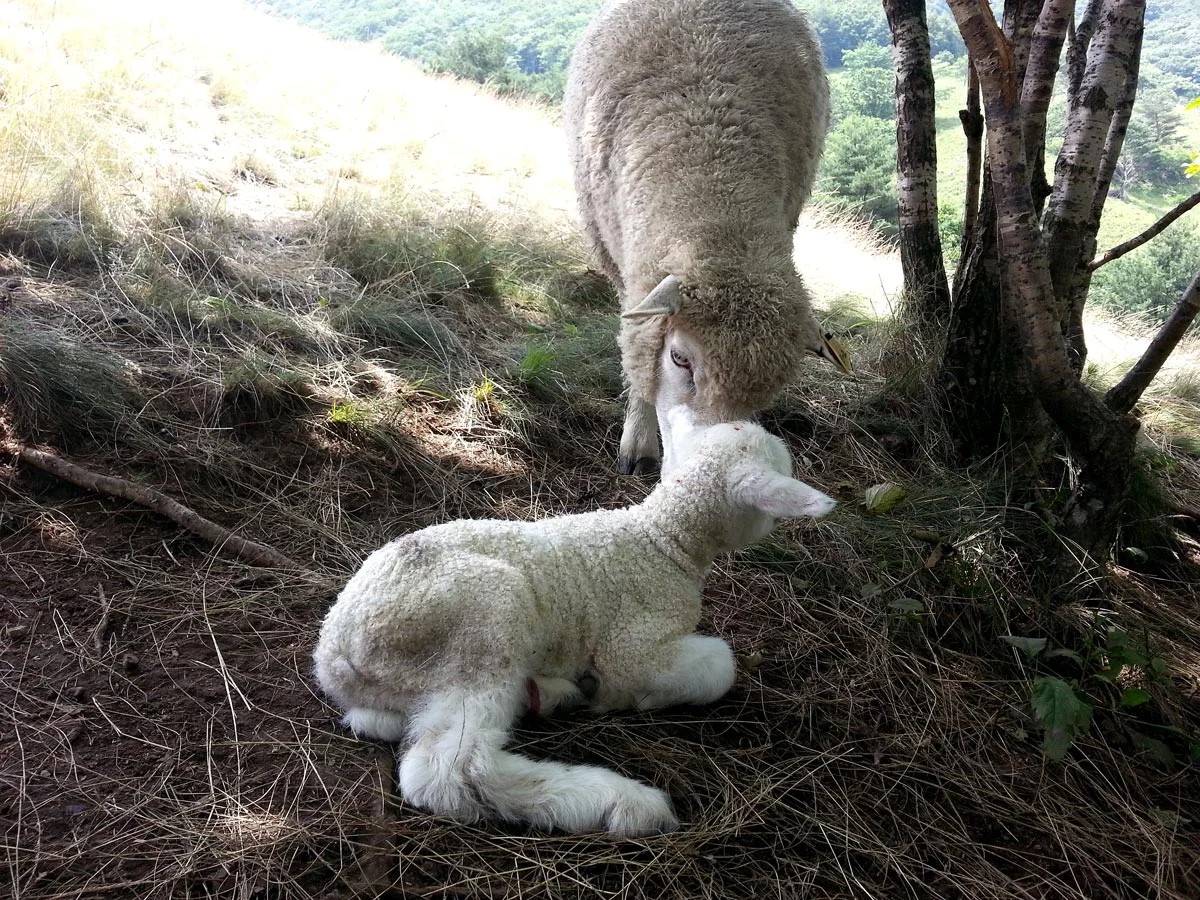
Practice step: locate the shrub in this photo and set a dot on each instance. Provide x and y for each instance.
(867, 86)
(1149, 280)
(859, 167)
(57, 388)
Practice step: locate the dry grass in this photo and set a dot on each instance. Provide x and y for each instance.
(363, 311)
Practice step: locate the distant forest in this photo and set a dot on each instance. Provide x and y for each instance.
(525, 44)
(522, 47)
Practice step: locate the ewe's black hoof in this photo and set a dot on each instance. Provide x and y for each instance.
(647, 465)
(643, 465)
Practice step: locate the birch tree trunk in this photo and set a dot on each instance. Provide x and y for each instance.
(926, 290)
(1092, 143)
(1098, 438)
(1014, 350)
(990, 398)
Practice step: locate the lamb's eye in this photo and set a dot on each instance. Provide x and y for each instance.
(680, 360)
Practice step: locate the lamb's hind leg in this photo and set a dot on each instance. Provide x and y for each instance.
(384, 724)
(456, 767)
(703, 670)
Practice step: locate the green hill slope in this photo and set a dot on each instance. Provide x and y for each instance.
(522, 46)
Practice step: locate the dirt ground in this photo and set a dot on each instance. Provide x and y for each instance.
(168, 742)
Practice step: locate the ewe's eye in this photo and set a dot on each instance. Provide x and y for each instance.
(680, 360)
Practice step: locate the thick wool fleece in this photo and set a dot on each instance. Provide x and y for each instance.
(475, 603)
(695, 129)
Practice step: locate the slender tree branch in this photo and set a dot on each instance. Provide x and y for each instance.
(1081, 38)
(1153, 231)
(222, 538)
(972, 125)
(1115, 141)
(1129, 390)
(1068, 221)
(1020, 19)
(1077, 277)
(1045, 49)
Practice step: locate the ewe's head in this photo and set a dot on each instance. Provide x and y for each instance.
(754, 467)
(733, 341)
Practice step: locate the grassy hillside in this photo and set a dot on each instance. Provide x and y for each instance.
(324, 299)
(523, 48)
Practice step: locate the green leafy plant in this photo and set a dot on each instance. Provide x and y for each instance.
(1063, 708)
(882, 497)
(1062, 711)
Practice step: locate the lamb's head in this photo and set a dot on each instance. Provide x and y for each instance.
(754, 467)
(732, 342)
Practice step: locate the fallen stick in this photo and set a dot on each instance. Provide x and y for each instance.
(222, 538)
(100, 632)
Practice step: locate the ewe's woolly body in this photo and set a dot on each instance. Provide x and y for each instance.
(695, 128)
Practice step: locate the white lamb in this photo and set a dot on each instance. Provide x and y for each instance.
(445, 636)
(695, 128)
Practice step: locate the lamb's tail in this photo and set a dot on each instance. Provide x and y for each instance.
(456, 767)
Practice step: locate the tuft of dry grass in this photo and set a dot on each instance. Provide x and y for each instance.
(56, 387)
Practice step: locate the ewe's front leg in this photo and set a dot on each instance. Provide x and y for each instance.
(639, 441)
(703, 671)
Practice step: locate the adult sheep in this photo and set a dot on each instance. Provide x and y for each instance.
(695, 128)
(446, 635)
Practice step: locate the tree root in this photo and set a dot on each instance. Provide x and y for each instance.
(222, 538)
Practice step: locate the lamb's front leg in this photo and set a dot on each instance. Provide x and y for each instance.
(703, 670)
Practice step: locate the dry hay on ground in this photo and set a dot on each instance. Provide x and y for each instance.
(165, 738)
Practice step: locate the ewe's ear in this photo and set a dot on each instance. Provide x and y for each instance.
(782, 497)
(664, 300)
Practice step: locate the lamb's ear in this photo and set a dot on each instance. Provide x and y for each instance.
(664, 300)
(782, 497)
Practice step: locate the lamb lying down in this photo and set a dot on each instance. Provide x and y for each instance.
(444, 637)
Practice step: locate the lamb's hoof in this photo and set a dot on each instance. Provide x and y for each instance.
(643, 465)
(642, 811)
(549, 695)
(588, 684)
